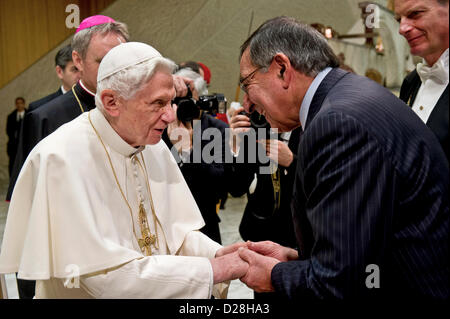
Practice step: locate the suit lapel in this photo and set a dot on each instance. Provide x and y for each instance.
(303, 230)
(438, 121)
(325, 86)
(440, 108)
(414, 89)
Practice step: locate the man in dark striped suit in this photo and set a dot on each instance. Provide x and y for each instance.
(370, 202)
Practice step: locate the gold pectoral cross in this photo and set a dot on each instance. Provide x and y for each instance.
(147, 239)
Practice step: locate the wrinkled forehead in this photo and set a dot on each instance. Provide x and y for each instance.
(160, 84)
(404, 7)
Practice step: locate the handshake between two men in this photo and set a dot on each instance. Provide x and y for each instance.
(251, 262)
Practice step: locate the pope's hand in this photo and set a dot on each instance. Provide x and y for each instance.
(230, 248)
(228, 267)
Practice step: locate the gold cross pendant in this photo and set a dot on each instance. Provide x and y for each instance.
(145, 244)
(147, 239)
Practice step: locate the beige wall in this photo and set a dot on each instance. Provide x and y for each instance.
(30, 28)
(209, 31)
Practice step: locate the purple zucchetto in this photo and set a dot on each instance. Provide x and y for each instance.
(94, 20)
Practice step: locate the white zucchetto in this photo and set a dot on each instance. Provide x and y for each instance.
(125, 55)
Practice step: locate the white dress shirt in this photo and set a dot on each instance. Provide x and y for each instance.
(434, 81)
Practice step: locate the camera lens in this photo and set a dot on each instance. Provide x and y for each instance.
(187, 110)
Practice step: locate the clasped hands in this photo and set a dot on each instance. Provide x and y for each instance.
(251, 262)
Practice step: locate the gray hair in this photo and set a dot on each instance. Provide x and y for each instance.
(128, 82)
(82, 39)
(307, 49)
(199, 82)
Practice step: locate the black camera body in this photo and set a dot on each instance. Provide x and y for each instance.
(257, 120)
(189, 109)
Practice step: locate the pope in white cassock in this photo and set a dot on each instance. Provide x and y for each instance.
(101, 209)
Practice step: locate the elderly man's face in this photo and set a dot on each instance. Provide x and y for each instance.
(143, 118)
(98, 47)
(424, 24)
(264, 94)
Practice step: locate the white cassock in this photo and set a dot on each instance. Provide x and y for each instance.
(68, 218)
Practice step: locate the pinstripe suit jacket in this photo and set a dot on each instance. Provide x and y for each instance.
(371, 189)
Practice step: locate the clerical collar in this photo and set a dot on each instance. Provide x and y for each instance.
(86, 99)
(307, 99)
(84, 88)
(110, 136)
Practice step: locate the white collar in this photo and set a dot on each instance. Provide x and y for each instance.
(307, 99)
(82, 85)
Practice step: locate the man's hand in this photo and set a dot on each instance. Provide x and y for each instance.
(278, 152)
(180, 134)
(239, 124)
(230, 249)
(181, 85)
(228, 267)
(274, 250)
(258, 276)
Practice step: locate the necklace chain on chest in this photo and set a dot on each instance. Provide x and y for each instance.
(148, 239)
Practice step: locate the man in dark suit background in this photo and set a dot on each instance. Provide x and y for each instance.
(13, 124)
(66, 71)
(370, 203)
(424, 24)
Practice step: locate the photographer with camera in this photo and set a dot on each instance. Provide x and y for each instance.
(267, 215)
(206, 179)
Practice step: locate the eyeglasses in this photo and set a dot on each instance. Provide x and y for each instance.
(245, 85)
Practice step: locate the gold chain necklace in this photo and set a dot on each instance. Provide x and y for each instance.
(147, 239)
(76, 96)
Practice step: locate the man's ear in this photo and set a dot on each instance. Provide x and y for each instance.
(59, 72)
(283, 68)
(77, 60)
(111, 103)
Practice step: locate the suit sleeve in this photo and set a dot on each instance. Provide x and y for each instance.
(348, 188)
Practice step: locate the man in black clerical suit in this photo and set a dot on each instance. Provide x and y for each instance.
(13, 124)
(90, 44)
(370, 203)
(424, 24)
(66, 71)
